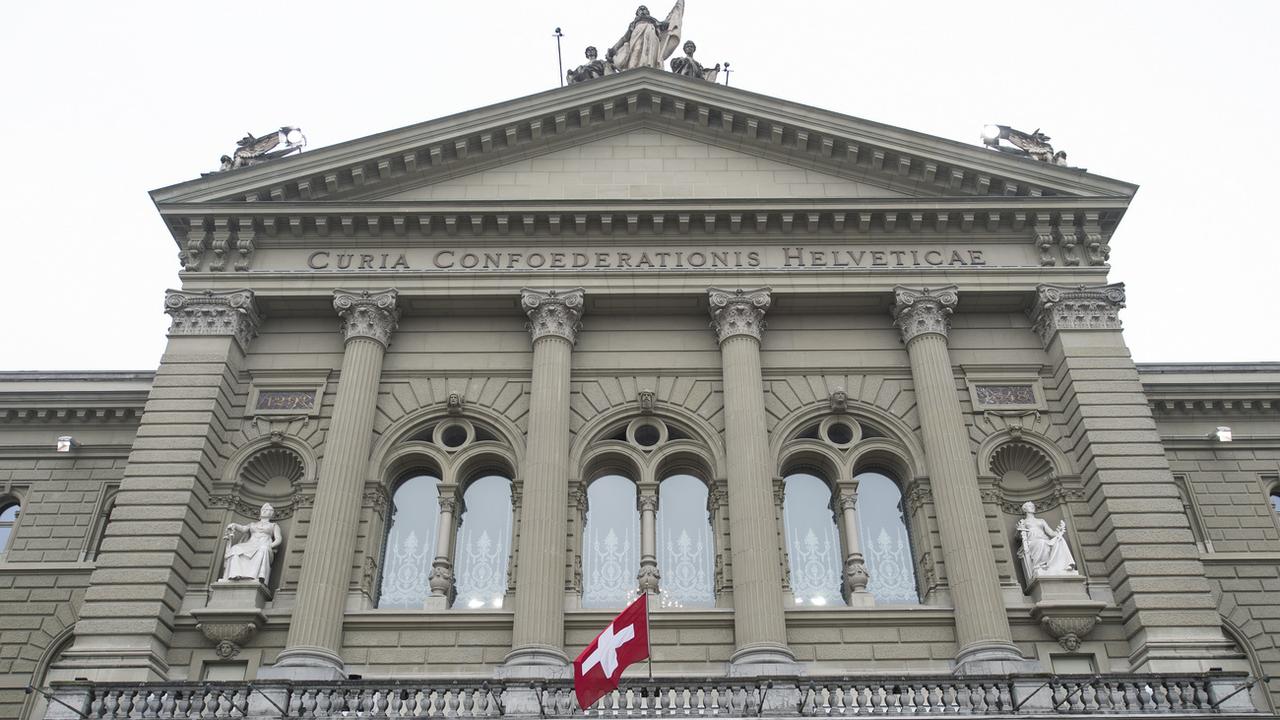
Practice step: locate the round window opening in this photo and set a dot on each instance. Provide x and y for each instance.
(840, 433)
(453, 436)
(648, 435)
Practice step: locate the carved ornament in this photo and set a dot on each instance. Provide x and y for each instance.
(924, 311)
(367, 315)
(379, 499)
(1079, 307)
(454, 403)
(648, 401)
(231, 313)
(649, 578)
(856, 576)
(839, 401)
(738, 312)
(553, 313)
(647, 503)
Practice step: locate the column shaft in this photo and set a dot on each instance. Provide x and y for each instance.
(537, 636)
(759, 622)
(316, 627)
(982, 626)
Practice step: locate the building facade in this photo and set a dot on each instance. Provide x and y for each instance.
(797, 374)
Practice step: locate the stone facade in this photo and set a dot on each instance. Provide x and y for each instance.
(525, 293)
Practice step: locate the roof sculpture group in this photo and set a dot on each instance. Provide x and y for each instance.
(647, 42)
(1034, 145)
(251, 150)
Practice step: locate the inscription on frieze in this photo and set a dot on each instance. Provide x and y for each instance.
(997, 395)
(286, 400)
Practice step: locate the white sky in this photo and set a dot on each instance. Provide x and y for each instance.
(103, 101)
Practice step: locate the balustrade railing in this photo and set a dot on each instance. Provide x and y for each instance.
(806, 697)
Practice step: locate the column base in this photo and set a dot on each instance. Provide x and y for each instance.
(305, 663)
(535, 661)
(993, 658)
(763, 659)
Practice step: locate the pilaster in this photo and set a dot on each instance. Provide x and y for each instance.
(135, 592)
(313, 648)
(1172, 622)
(982, 627)
(538, 626)
(759, 623)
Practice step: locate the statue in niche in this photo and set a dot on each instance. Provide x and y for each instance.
(689, 67)
(251, 559)
(647, 42)
(1044, 549)
(593, 68)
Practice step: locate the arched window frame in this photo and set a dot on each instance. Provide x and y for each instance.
(614, 446)
(420, 447)
(7, 501)
(1191, 506)
(805, 442)
(98, 532)
(1271, 495)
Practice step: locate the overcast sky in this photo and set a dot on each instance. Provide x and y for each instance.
(103, 101)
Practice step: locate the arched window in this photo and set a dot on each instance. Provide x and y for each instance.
(686, 551)
(610, 543)
(886, 544)
(813, 543)
(1275, 500)
(483, 544)
(100, 532)
(411, 543)
(9, 509)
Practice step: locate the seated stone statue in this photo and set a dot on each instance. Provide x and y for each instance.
(251, 559)
(689, 67)
(591, 70)
(1044, 549)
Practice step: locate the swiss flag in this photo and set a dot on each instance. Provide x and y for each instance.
(598, 669)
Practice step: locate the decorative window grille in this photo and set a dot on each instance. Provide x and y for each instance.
(411, 543)
(483, 544)
(611, 544)
(813, 542)
(686, 550)
(886, 543)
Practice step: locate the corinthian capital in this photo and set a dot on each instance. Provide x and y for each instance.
(1076, 307)
(231, 313)
(367, 315)
(923, 311)
(738, 312)
(553, 313)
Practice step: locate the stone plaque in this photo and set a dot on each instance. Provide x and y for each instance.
(1001, 395)
(286, 400)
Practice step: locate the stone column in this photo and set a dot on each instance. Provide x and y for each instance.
(315, 629)
(537, 636)
(1172, 622)
(855, 566)
(982, 627)
(128, 614)
(759, 625)
(442, 567)
(649, 577)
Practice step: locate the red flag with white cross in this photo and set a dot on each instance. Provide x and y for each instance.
(598, 669)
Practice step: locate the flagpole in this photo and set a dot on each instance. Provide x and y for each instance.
(648, 629)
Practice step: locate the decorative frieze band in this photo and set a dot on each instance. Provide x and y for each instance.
(232, 312)
(927, 310)
(1078, 307)
(367, 315)
(556, 313)
(738, 312)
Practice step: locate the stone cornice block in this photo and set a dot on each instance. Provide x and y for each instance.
(366, 314)
(738, 312)
(1076, 307)
(923, 311)
(232, 312)
(553, 313)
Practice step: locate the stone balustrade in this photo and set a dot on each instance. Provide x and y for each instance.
(1220, 694)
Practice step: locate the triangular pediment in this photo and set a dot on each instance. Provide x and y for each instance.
(642, 164)
(794, 151)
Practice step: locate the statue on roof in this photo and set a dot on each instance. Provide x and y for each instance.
(592, 69)
(647, 42)
(689, 67)
(252, 150)
(1034, 145)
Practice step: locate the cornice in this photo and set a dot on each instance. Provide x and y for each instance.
(866, 146)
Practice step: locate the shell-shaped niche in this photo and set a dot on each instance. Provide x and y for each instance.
(1021, 467)
(273, 473)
